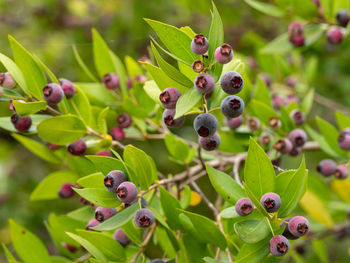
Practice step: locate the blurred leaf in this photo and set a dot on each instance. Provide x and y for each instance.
(97, 93)
(9, 256)
(94, 180)
(132, 232)
(185, 199)
(82, 65)
(45, 69)
(262, 111)
(28, 247)
(310, 70)
(171, 207)
(187, 101)
(306, 103)
(99, 197)
(252, 230)
(102, 57)
(253, 253)
(320, 250)
(343, 121)
(255, 200)
(279, 45)
(265, 8)
(341, 187)
(37, 148)
(120, 70)
(305, 9)
(152, 90)
(80, 105)
(262, 93)
(210, 260)
(25, 109)
(84, 214)
(132, 67)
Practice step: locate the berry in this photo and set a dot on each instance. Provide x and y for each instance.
(279, 245)
(265, 139)
(168, 119)
(144, 218)
(283, 146)
(291, 81)
(140, 78)
(326, 167)
(52, 147)
(275, 123)
(298, 226)
(113, 180)
(277, 102)
(296, 34)
(244, 206)
(233, 123)
(232, 82)
(77, 148)
(286, 232)
(343, 18)
(344, 140)
(117, 134)
(53, 93)
(92, 223)
(317, 3)
(334, 36)
(104, 153)
(103, 213)
(291, 98)
(205, 124)
(232, 106)
(198, 66)
(199, 44)
(124, 120)
(297, 116)
(169, 97)
(128, 82)
(126, 192)
(266, 78)
(298, 137)
(271, 202)
(69, 247)
(210, 143)
(157, 260)
(223, 54)
(21, 124)
(204, 83)
(7, 81)
(295, 151)
(120, 236)
(253, 124)
(68, 88)
(111, 81)
(66, 191)
(341, 172)
(143, 203)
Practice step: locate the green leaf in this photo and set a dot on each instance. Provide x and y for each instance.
(119, 219)
(80, 105)
(320, 250)
(294, 191)
(171, 207)
(279, 45)
(84, 214)
(207, 229)
(82, 65)
(120, 69)
(307, 101)
(262, 93)
(343, 121)
(92, 181)
(34, 76)
(177, 147)
(25, 109)
(89, 247)
(62, 130)
(15, 72)
(49, 186)
(105, 244)
(259, 174)
(98, 196)
(265, 8)
(187, 101)
(143, 170)
(132, 67)
(177, 41)
(210, 260)
(102, 122)
(9, 256)
(252, 230)
(185, 199)
(97, 93)
(152, 90)
(262, 111)
(5, 123)
(45, 69)
(255, 200)
(229, 212)
(253, 253)
(103, 61)
(37, 148)
(225, 185)
(133, 232)
(28, 247)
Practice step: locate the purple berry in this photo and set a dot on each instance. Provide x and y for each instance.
(103, 213)
(275, 123)
(104, 153)
(232, 82)
(341, 172)
(126, 192)
(286, 232)
(291, 81)
(77, 148)
(117, 134)
(296, 34)
(204, 83)
(326, 167)
(169, 97)
(279, 245)
(199, 44)
(53, 93)
(298, 226)
(297, 116)
(113, 180)
(295, 151)
(198, 66)
(170, 122)
(343, 17)
(144, 218)
(234, 123)
(21, 124)
(232, 106)
(244, 206)
(277, 102)
(92, 223)
(253, 123)
(7, 81)
(223, 54)
(140, 78)
(129, 82)
(66, 191)
(124, 120)
(68, 88)
(283, 146)
(271, 202)
(266, 78)
(298, 137)
(111, 81)
(291, 98)
(205, 124)
(334, 36)
(344, 140)
(52, 147)
(210, 143)
(120, 236)
(265, 139)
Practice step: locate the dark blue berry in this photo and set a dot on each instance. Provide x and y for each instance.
(120, 236)
(210, 143)
(298, 137)
(232, 82)
(205, 124)
(144, 218)
(170, 122)
(113, 180)
(232, 106)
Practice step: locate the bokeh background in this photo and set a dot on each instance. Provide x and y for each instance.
(49, 28)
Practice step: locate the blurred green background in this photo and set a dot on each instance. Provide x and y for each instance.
(49, 28)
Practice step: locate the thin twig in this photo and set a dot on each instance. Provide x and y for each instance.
(228, 253)
(330, 103)
(82, 258)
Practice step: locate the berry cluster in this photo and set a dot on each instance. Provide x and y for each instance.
(295, 227)
(329, 167)
(123, 121)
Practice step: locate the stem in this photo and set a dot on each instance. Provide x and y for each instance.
(214, 109)
(82, 258)
(205, 109)
(144, 243)
(269, 223)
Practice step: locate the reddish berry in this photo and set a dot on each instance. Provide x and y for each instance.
(111, 81)
(277, 102)
(253, 124)
(279, 245)
(52, 147)
(266, 78)
(170, 122)
(21, 124)
(66, 191)
(117, 134)
(283, 146)
(297, 116)
(223, 54)
(232, 82)
(103, 213)
(124, 120)
(233, 123)
(271, 202)
(68, 88)
(210, 143)
(129, 82)
(143, 203)
(92, 223)
(296, 34)
(298, 137)
(295, 151)
(120, 236)
(199, 44)
(77, 148)
(126, 192)
(334, 36)
(232, 106)
(104, 153)
(53, 93)
(204, 83)
(286, 232)
(7, 81)
(169, 97)
(343, 18)
(140, 78)
(244, 206)
(113, 180)
(144, 218)
(298, 226)
(341, 172)
(326, 167)
(291, 81)
(291, 98)
(344, 140)
(70, 248)
(205, 124)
